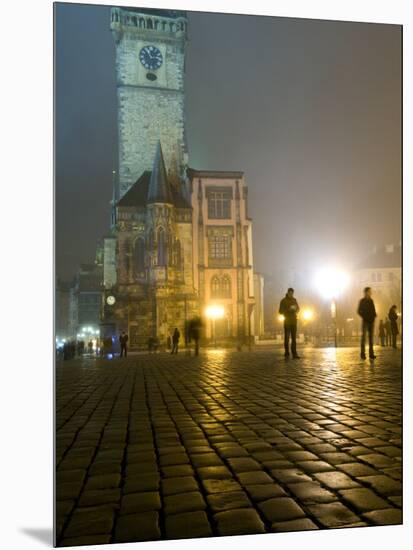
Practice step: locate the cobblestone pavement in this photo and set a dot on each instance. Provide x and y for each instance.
(163, 447)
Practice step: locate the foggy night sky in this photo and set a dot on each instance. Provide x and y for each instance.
(309, 110)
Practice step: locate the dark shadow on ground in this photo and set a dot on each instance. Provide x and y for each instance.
(43, 535)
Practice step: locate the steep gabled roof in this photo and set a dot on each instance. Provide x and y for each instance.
(159, 186)
(137, 194)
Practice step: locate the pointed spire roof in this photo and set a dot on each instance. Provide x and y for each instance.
(159, 186)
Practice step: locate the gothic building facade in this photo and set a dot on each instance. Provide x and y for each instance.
(181, 238)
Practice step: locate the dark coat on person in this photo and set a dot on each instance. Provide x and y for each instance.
(175, 336)
(289, 308)
(123, 339)
(393, 321)
(366, 310)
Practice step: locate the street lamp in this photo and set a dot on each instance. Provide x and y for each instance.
(331, 283)
(214, 312)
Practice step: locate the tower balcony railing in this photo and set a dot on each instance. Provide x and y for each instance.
(121, 18)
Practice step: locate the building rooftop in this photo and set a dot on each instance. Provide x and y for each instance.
(214, 174)
(383, 257)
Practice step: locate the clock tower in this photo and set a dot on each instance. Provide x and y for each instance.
(150, 56)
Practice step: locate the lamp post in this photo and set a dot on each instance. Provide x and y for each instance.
(214, 312)
(331, 283)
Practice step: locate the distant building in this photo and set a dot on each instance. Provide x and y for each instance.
(382, 271)
(259, 304)
(87, 296)
(63, 310)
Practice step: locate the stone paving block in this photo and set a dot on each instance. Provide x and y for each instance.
(336, 480)
(260, 492)
(395, 473)
(321, 448)
(383, 485)
(214, 472)
(206, 459)
(100, 496)
(378, 460)
(228, 501)
(291, 475)
(333, 514)
(363, 500)
(176, 485)
(139, 483)
(242, 521)
(311, 492)
(69, 476)
(140, 502)
(304, 524)
(137, 527)
(174, 459)
(336, 458)
(392, 451)
(187, 525)
(64, 507)
(232, 452)
(280, 509)
(90, 521)
(397, 501)
(103, 481)
(314, 466)
(390, 516)
(177, 471)
(254, 478)
(184, 502)
(356, 469)
(68, 490)
(244, 464)
(141, 468)
(300, 456)
(220, 485)
(100, 468)
(85, 540)
(267, 456)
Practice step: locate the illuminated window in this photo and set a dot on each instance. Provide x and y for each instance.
(221, 287)
(219, 203)
(219, 247)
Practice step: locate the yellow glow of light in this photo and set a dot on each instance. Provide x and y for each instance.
(308, 314)
(331, 282)
(281, 318)
(214, 312)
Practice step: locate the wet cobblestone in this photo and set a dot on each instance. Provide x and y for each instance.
(154, 446)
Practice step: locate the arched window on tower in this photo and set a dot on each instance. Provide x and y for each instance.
(226, 286)
(139, 257)
(161, 247)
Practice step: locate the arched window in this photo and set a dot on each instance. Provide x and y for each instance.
(221, 286)
(161, 247)
(226, 286)
(215, 287)
(139, 257)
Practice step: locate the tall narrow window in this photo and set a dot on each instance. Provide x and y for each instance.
(139, 257)
(161, 247)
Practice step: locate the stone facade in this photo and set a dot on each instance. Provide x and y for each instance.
(182, 238)
(150, 102)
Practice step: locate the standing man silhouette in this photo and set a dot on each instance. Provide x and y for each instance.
(123, 340)
(289, 308)
(367, 312)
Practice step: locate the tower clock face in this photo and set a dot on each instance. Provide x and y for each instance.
(110, 300)
(150, 57)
